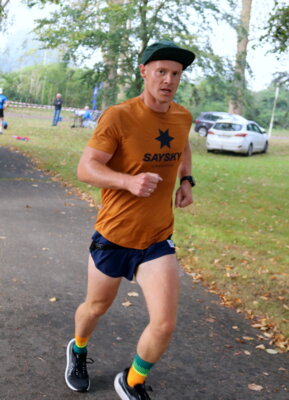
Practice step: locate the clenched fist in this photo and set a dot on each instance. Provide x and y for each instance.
(144, 184)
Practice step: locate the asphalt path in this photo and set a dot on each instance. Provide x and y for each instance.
(45, 231)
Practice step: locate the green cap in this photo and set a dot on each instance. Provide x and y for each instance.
(167, 50)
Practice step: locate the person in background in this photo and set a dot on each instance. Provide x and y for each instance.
(87, 113)
(57, 109)
(3, 105)
(138, 150)
(86, 119)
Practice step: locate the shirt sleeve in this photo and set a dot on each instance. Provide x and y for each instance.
(106, 135)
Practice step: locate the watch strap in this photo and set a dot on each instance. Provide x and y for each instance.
(188, 178)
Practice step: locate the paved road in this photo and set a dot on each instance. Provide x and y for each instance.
(44, 233)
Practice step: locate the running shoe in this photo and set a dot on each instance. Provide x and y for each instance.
(126, 392)
(76, 375)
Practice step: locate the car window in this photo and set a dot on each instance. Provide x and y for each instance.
(211, 117)
(256, 128)
(227, 126)
(215, 117)
(250, 127)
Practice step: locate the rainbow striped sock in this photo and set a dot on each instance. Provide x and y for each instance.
(138, 371)
(80, 344)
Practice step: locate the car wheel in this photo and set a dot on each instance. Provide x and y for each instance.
(250, 150)
(265, 148)
(203, 131)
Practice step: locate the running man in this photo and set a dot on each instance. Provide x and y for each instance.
(138, 150)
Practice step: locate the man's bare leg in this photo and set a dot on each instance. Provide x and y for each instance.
(159, 280)
(101, 291)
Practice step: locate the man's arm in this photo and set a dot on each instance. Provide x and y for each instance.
(184, 195)
(93, 170)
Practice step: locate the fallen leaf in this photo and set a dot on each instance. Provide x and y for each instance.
(248, 338)
(197, 278)
(126, 304)
(53, 299)
(272, 351)
(133, 294)
(232, 275)
(2, 237)
(256, 388)
(247, 353)
(260, 347)
(264, 298)
(257, 325)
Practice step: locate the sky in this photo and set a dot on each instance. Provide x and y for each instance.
(263, 64)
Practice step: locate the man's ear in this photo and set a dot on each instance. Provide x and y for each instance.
(142, 69)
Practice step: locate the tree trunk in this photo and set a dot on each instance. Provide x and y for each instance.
(111, 61)
(236, 101)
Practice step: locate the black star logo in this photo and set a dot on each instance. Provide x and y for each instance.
(164, 138)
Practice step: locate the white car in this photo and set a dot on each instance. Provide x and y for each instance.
(245, 137)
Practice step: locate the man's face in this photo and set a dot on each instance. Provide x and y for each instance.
(162, 79)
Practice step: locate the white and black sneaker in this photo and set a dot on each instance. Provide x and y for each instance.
(76, 376)
(126, 392)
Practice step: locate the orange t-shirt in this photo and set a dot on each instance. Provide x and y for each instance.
(141, 140)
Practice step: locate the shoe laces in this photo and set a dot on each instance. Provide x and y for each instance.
(142, 391)
(80, 364)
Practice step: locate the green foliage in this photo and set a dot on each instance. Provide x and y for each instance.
(32, 3)
(3, 13)
(39, 84)
(264, 105)
(278, 28)
(212, 94)
(121, 30)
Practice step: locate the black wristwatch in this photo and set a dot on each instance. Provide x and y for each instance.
(190, 179)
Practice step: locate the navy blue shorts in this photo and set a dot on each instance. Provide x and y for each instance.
(117, 261)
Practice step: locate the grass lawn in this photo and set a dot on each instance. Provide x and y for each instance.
(234, 237)
(236, 234)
